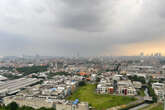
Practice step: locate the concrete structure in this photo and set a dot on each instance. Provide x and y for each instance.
(39, 102)
(29, 101)
(67, 106)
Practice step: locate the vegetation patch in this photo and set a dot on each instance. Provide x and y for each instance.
(158, 107)
(14, 106)
(155, 106)
(33, 69)
(141, 92)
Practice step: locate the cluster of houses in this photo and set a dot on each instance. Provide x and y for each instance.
(51, 93)
(159, 89)
(117, 85)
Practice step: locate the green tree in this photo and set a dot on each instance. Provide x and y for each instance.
(26, 108)
(33, 69)
(82, 83)
(43, 108)
(12, 106)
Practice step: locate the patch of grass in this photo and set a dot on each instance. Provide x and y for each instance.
(144, 108)
(100, 102)
(158, 107)
(153, 107)
(141, 92)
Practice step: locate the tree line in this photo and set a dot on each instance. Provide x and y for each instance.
(15, 106)
(30, 70)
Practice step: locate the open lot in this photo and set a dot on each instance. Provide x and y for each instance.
(100, 102)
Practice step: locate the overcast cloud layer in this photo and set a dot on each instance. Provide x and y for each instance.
(90, 27)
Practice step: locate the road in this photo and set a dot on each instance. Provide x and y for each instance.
(139, 107)
(143, 105)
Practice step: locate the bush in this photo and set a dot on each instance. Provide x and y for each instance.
(12, 106)
(82, 83)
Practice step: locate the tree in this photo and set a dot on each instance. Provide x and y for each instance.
(13, 106)
(26, 108)
(136, 78)
(151, 91)
(33, 69)
(97, 79)
(82, 83)
(43, 108)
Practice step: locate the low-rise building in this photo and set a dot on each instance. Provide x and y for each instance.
(159, 89)
(137, 84)
(125, 87)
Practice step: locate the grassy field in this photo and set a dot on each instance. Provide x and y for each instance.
(100, 102)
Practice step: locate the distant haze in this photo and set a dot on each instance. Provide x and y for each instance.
(87, 27)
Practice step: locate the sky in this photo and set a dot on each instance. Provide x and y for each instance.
(87, 27)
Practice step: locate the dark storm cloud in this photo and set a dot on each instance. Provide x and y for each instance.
(84, 15)
(90, 16)
(90, 27)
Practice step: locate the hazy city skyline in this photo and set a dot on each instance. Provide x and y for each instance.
(90, 27)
